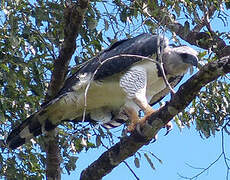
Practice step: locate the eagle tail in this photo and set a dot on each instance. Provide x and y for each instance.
(29, 128)
(113, 123)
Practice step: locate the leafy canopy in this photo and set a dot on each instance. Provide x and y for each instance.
(31, 35)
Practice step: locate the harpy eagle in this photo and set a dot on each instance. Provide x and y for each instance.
(111, 88)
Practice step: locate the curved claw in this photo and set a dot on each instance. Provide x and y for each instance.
(169, 127)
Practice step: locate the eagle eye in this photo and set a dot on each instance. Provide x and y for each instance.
(184, 55)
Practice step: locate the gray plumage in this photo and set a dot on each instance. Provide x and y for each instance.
(119, 89)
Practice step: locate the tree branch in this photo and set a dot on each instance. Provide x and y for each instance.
(128, 146)
(73, 17)
(195, 37)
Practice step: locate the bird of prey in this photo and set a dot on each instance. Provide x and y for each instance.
(112, 87)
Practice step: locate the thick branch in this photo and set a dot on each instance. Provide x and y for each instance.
(130, 145)
(195, 37)
(73, 16)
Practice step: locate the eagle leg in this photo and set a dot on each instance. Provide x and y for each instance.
(148, 112)
(133, 116)
(134, 119)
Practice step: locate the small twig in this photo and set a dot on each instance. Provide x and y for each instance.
(110, 19)
(222, 154)
(137, 178)
(226, 76)
(44, 41)
(223, 149)
(194, 166)
(160, 55)
(208, 13)
(204, 170)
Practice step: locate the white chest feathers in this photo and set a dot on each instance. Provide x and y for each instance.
(142, 77)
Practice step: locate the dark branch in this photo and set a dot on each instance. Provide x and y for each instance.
(201, 39)
(73, 17)
(131, 144)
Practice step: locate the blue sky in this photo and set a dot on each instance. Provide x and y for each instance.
(179, 151)
(176, 150)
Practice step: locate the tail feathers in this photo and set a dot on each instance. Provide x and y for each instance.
(116, 121)
(31, 127)
(47, 118)
(113, 123)
(24, 132)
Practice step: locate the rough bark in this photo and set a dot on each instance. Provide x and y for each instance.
(206, 40)
(73, 17)
(130, 145)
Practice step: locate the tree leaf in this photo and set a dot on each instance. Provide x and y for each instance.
(156, 157)
(106, 25)
(149, 161)
(137, 162)
(98, 140)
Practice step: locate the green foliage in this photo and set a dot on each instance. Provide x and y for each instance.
(149, 156)
(28, 44)
(31, 34)
(212, 111)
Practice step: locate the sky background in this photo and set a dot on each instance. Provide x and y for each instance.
(182, 152)
(176, 150)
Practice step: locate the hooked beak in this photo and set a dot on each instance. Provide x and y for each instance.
(190, 59)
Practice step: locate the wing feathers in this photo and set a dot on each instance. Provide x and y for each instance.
(52, 112)
(143, 45)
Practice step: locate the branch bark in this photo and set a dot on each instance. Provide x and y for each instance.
(128, 146)
(193, 36)
(73, 17)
